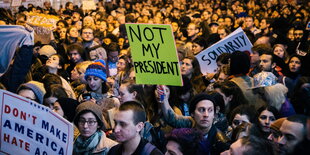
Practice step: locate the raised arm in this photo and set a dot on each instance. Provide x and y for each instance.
(171, 118)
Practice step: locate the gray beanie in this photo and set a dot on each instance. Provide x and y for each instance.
(92, 107)
(47, 50)
(37, 88)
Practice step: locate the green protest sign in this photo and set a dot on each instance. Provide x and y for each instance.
(154, 54)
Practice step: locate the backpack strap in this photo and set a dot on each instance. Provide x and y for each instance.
(148, 148)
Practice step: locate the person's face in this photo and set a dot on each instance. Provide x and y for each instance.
(197, 48)
(121, 65)
(214, 28)
(88, 22)
(103, 26)
(62, 33)
(75, 56)
(70, 6)
(57, 108)
(20, 21)
(292, 134)
(175, 26)
(28, 94)
(74, 32)
(204, 114)
(294, 64)
(47, 4)
(125, 95)
(75, 74)
(222, 77)
(50, 101)
(76, 17)
(221, 21)
(265, 63)
(173, 148)
(239, 119)
(87, 35)
(125, 129)
(254, 58)
(191, 30)
(94, 83)
(60, 25)
(249, 22)
(53, 62)
(290, 34)
(265, 119)
(93, 55)
(298, 34)
(186, 67)
(236, 148)
(228, 22)
(222, 33)
(279, 51)
(240, 9)
(263, 24)
(113, 56)
(87, 124)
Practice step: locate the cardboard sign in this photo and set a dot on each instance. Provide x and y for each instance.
(42, 34)
(236, 41)
(30, 128)
(43, 20)
(89, 5)
(154, 54)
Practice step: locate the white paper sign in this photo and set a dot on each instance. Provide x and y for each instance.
(16, 3)
(89, 5)
(30, 128)
(236, 41)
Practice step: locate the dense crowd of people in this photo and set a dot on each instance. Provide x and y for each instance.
(257, 102)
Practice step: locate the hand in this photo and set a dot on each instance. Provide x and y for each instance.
(163, 93)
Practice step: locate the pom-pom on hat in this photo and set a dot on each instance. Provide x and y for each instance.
(97, 69)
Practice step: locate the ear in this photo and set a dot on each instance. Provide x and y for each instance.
(134, 93)
(139, 126)
(230, 98)
(217, 109)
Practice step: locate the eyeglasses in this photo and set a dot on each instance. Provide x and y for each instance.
(89, 123)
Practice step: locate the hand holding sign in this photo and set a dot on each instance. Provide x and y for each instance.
(236, 41)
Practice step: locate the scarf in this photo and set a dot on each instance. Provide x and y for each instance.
(86, 147)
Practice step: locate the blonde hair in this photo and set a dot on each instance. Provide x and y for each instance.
(276, 95)
(285, 56)
(81, 67)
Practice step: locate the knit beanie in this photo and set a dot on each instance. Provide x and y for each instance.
(97, 69)
(68, 106)
(92, 107)
(47, 50)
(37, 88)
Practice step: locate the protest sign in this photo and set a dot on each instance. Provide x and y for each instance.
(154, 54)
(30, 128)
(42, 34)
(43, 20)
(42, 25)
(236, 41)
(16, 3)
(89, 5)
